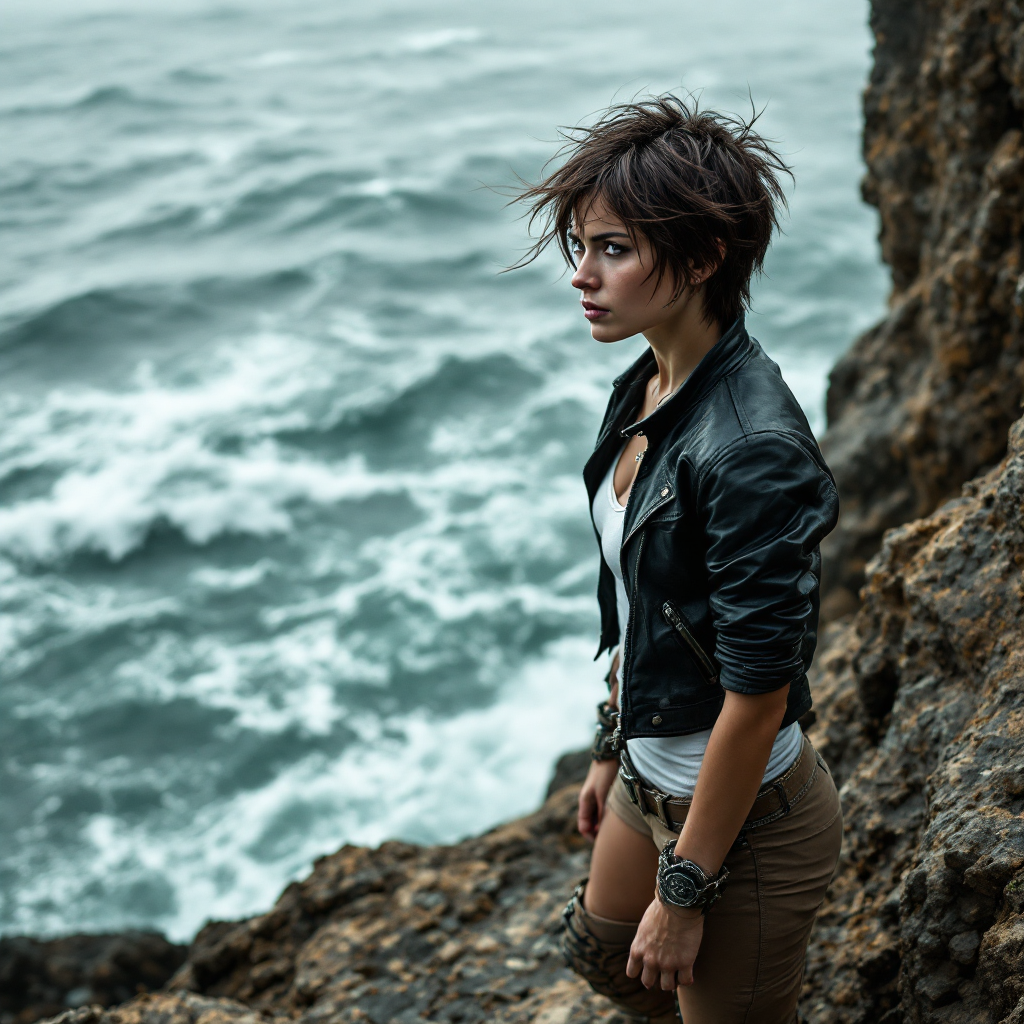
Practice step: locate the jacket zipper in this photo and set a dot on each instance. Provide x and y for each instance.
(627, 645)
(627, 640)
(704, 663)
(647, 515)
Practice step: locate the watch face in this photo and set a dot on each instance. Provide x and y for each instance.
(679, 889)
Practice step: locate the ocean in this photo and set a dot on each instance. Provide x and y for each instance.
(294, 549)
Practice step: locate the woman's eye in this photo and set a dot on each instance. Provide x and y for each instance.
(575, 246)
(612, 249)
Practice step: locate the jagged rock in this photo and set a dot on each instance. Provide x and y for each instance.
(922, 402)
(173, 1008)
(924, 918)
(405, 933)
(570, 769)
(41, 978)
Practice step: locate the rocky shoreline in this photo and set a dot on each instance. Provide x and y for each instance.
(918, 685)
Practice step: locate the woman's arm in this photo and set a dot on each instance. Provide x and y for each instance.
(738, 749)
(600, 776)
(730, 775)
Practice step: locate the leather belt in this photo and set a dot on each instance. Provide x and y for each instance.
(774, 800)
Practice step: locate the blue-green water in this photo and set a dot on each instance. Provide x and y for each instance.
(293, 546)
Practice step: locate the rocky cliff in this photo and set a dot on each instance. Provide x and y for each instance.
(922, 402)
(923, 718)
(397, 935)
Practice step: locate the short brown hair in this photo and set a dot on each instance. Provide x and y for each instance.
(691, 181)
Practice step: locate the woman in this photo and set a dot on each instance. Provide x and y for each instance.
(716, 827)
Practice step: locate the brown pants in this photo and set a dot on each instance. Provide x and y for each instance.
(751, 960)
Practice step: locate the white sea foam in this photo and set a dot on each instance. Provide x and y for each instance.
(149, 455)
(410, 776)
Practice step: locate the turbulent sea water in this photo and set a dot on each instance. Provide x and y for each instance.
(293, 545)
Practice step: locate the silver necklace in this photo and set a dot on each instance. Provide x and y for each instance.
(666, 397)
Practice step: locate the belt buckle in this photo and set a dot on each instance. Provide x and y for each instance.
(632, 784)
(660, 812)
(780, 791)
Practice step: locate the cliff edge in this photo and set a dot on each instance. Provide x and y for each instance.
(922, 402)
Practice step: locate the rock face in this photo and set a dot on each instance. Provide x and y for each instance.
(922, 402)
(38, 979)
(924, 721)
(180, 1008)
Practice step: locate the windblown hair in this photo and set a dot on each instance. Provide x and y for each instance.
(702, 187)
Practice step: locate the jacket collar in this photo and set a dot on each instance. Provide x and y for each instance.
(728, 353)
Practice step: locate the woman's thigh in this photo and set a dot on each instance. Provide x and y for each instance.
(750, 965)
(623, 870)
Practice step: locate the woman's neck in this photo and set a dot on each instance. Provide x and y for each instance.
(681, 342)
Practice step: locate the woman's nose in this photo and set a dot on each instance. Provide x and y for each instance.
(584, 278)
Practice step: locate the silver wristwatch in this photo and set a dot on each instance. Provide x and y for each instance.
(681, 883)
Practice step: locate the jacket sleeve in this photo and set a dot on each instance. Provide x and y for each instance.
(766, 503)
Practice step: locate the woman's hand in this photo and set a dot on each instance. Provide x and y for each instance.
(601, 774)
(665, 946)
(593, 796)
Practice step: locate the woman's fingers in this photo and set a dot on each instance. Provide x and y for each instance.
(585, 818)
(652, 973)
(635, 964)
(664, 949)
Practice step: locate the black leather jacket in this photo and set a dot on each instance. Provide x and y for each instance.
(720, 542)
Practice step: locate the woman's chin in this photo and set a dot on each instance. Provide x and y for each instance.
(607, 333)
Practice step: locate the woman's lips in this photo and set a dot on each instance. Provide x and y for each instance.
(594, 312)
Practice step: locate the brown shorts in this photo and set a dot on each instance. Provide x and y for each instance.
(751, 960)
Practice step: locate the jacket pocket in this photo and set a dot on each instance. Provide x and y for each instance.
(682, 630)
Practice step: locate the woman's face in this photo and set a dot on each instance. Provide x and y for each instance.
(620, 296)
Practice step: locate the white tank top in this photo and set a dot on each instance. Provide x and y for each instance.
(669, 762)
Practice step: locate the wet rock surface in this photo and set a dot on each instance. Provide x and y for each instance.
(405, 933)
(39, 978)
(176, 1008)
(922, 402)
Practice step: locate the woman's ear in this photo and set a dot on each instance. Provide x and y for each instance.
(699, 275)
